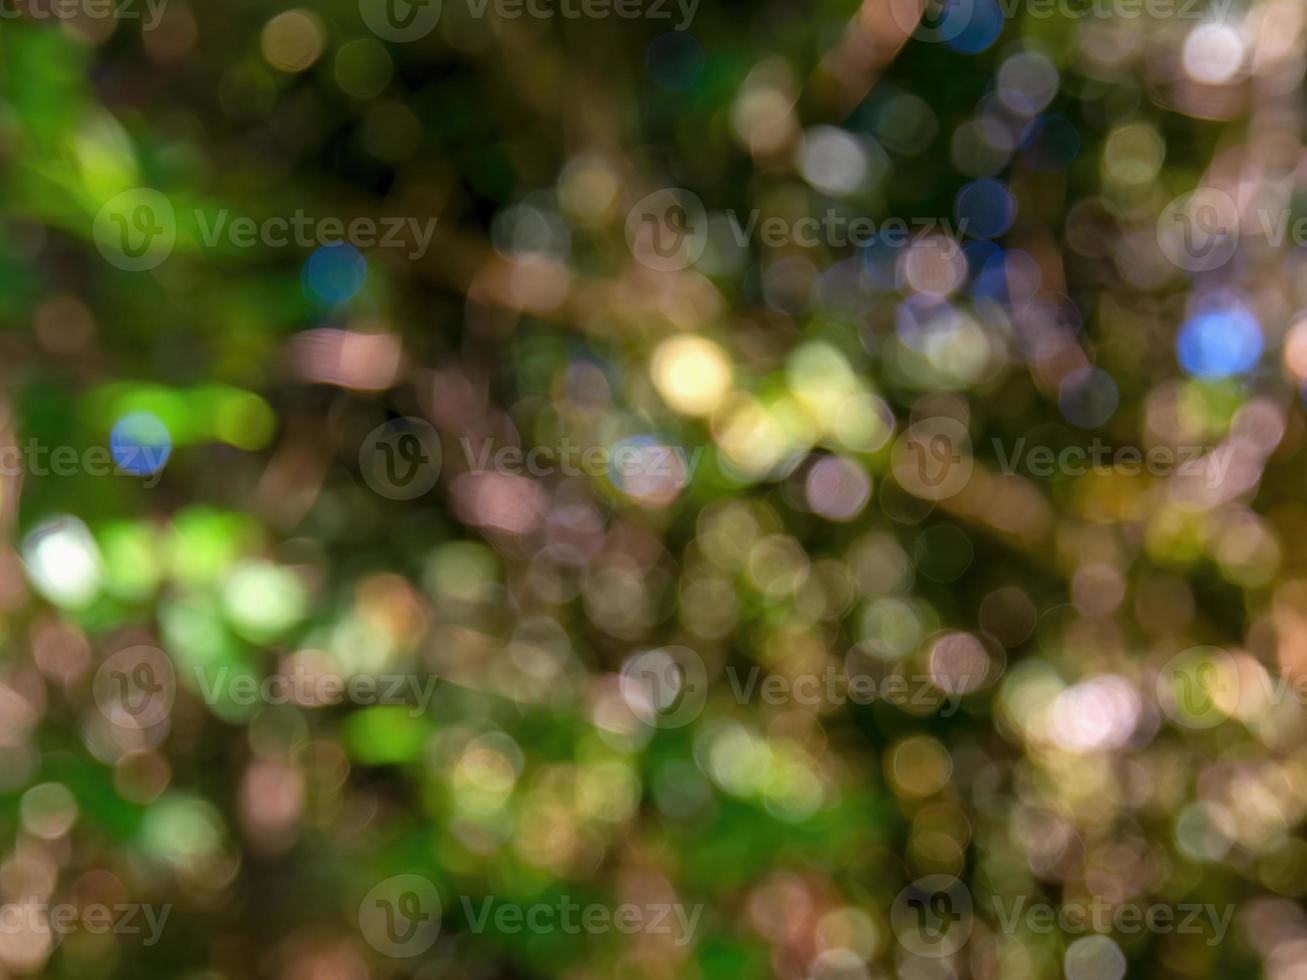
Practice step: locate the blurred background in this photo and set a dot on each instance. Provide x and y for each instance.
(834, 466)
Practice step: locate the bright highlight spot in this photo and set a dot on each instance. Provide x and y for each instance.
(692, 374)
(292, 41)
(140, 444)
(334, 273)
(1221, 342)
(63, 562)
(1213, 53)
